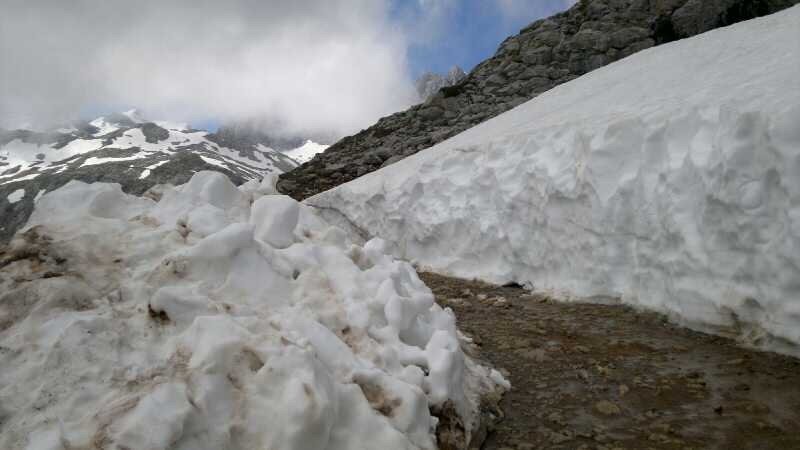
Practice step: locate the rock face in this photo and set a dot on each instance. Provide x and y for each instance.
(543, 55)
(429, 84)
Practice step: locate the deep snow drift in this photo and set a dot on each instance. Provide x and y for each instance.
(670, 179)
(210, 317)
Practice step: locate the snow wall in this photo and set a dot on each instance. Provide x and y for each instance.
(670, 179)
(209, 317)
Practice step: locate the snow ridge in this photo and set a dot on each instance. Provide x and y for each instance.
(668, 179)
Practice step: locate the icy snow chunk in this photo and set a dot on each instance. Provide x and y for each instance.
(212, 187)
(76, 203)
(275, 218)
(191, 322)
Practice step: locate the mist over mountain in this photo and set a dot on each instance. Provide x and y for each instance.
(429, 83)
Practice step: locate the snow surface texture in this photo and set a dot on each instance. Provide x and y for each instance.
(305, 152)
(670, 179)
(217, 317)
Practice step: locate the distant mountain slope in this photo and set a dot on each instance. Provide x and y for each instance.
(546, 54)
(121, 148)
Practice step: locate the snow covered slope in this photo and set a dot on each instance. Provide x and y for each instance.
(125, 137)
(121, 148)
(670, 179)
(305, 152)
(209, 316)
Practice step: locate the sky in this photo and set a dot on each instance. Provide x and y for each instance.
(313, 67)
(465, 32)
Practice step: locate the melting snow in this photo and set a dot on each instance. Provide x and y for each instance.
(670, 179)
(220, 317)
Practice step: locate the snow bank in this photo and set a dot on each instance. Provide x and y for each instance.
(217, 317)
(670, 179)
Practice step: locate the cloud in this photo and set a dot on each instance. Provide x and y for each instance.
(311, 66)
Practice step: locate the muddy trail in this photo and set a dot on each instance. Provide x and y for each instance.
(590, 376)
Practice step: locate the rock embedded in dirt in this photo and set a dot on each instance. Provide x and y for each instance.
(606, 407)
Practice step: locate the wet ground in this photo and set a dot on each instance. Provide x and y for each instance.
(589, 376)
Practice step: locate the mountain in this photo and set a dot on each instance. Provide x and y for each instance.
(126, 149)
(429, 83)
(547, 53)
(637, 182)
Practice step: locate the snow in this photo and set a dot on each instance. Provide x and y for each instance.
(174, 126)
(146, 172)
(94, 160)
(134, 115)
(214, 162)
(103, 126)
(16, 196)
(26, 155)
(218, 317)
(670, 180)
(23, 178)
(305, 152)
(75, 147)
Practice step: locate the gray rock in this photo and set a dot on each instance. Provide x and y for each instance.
(154, 133)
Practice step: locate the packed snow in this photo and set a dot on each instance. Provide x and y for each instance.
(670, 179)
(15, 196)
(305, 152)
(218, 317)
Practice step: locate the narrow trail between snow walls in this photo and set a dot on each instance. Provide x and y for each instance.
(601, 377)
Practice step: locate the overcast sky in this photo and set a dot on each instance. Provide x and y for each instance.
(308, 66)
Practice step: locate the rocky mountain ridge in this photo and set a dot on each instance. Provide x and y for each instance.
(545, 54)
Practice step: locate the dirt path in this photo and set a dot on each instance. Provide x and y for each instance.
(589, 376)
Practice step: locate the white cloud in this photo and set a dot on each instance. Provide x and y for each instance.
(319, 66)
